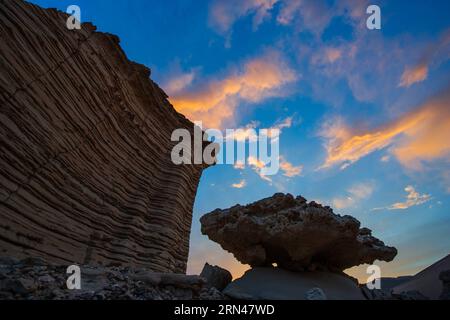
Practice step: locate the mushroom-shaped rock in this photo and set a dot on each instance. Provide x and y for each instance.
(294, 234)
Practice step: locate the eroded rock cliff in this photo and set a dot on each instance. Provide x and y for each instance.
(85, 168)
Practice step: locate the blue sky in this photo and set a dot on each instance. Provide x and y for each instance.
(365, 113)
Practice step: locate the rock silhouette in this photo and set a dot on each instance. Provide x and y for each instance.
(85, 169)
(294, 234)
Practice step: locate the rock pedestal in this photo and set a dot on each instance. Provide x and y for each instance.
(294, 234)
(310, 245)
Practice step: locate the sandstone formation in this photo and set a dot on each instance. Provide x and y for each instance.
(85, 168)
(294, 234)
(278, 284)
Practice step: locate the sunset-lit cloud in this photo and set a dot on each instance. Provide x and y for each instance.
(413, 75)
(239, 185)
(288, 169)
(355, 194)
(413, 198)
(257, 166)
(419, 136)
(215, 102)
(435, 53)
(249, 132)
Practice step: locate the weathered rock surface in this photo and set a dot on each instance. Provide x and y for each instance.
(445, 278)
(216, 276)
(294, 234)
(27, 280)
(278, 284)
(85, 168)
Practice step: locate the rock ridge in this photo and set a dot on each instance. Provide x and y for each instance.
(85, 173)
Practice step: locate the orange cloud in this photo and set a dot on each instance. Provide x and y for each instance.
(435, 53)
(421, 135)
(216, 102)
(289, 170)
(328, 55)
(413, 75)
(239, 185)
(412, 199)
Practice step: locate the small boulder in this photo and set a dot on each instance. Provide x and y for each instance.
(216, 276)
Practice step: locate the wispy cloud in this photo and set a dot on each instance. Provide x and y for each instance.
(315, 16)
(412, 199)
(223, 14)
(436, 53)
(288, 169)
(178, 83)
(239, 185)
(258, 79)
(248, 132)
(354, 195)
(419, 136)
(413, 75)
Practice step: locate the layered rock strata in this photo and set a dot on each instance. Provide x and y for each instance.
(294, 234)
(85, 169)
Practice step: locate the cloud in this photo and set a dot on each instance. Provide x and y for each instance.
(178, 83)
(223, 14)
(355, 194)
(215, 102)
(239, 165)
(419, 136)
(436, 53)
(239, 185)
(257, 165)
(288, 169)
(313, 16)
(412, 199)
(413, 75)
(282, 124)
